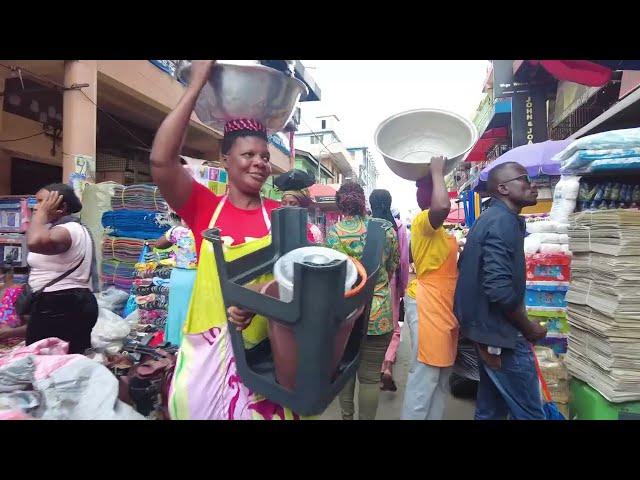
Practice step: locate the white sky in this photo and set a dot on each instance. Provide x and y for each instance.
(362, 93)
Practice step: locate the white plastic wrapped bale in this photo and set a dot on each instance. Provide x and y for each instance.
(565, 196)
(109, 332)
(550, 248)
(531, 244)
(112, 299)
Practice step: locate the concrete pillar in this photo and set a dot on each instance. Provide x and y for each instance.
(79, 113)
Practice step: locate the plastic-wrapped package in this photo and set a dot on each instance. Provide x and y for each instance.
(531, 244)
(565, 198)
(549, 238)
(628, 138)
(133, 318)
(543, 267)
(550, 248)
(112, 299)
(533, 227)
(109, 331)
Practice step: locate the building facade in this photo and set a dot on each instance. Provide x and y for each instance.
(94, 120)
(367, 172)
(321, 138)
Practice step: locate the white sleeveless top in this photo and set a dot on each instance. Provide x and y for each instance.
(45, 268)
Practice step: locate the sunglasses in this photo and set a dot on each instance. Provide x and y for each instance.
(525, 177)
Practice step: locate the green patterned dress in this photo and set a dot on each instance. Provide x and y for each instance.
(348, 236)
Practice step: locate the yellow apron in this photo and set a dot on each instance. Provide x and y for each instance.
(206, 308)
(437, 325)
(206, 384)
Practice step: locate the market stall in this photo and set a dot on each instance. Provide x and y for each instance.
(602, 299)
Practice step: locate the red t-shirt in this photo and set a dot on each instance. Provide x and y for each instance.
(239, 226)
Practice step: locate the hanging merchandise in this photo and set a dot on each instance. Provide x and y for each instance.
(214, 178)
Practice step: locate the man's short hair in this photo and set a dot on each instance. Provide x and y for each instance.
(496, 175)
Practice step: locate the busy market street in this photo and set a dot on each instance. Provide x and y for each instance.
(336, 240)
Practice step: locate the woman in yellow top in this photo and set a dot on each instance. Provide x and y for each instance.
(432, 325)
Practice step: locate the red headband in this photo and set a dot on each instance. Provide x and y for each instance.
(244, 124)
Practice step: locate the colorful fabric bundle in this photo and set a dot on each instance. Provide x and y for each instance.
(122, 249)
(118, 274)
(140, 224)
(138, 197)
(8, 315)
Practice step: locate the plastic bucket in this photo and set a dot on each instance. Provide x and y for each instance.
(283, 268)
(285, 348)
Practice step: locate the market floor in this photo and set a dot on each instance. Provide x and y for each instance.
(390, 404)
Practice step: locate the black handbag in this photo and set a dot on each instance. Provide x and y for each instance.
(27, 299)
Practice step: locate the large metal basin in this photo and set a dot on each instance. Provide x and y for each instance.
(246, 91)
(408, 140)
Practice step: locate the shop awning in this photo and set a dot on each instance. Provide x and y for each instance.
(323, 193)
(584, 72)
(456, 215)
(490, 138)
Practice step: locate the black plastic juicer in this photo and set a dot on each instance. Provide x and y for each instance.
(315, 314)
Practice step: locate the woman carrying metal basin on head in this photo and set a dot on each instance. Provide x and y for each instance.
(206, 384)
(432, 325)
(424, 145)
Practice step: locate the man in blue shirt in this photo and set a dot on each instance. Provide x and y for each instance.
(489, 300)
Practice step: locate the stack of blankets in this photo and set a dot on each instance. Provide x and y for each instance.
(602, 152)
(139, 214)
(138, 197)
(140, 224)
(603, 302)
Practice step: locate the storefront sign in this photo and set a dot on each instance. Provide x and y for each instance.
(504, 84)
(528, 118)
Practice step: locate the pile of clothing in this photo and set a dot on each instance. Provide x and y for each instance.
(41, 381)
(602, 152)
